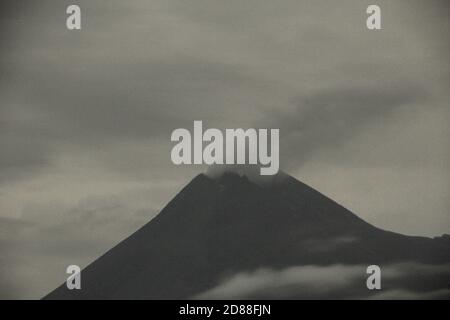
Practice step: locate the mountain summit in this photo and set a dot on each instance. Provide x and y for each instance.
(217, 227)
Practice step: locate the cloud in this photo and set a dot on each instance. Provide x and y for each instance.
(313, 281)
(188, 62)
(37, 248)
(399, 281)
(330, 117)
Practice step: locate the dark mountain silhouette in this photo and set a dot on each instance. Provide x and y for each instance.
(216, 227)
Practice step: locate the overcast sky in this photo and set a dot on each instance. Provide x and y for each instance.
(86, 116)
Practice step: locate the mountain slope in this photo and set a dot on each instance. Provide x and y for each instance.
(218, 227)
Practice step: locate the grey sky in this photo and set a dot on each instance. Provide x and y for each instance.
(86, 116)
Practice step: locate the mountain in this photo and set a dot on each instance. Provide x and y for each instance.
(215, 228)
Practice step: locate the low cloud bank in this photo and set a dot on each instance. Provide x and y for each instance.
(399, 281)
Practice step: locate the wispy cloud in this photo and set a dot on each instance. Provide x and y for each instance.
(399, 281)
